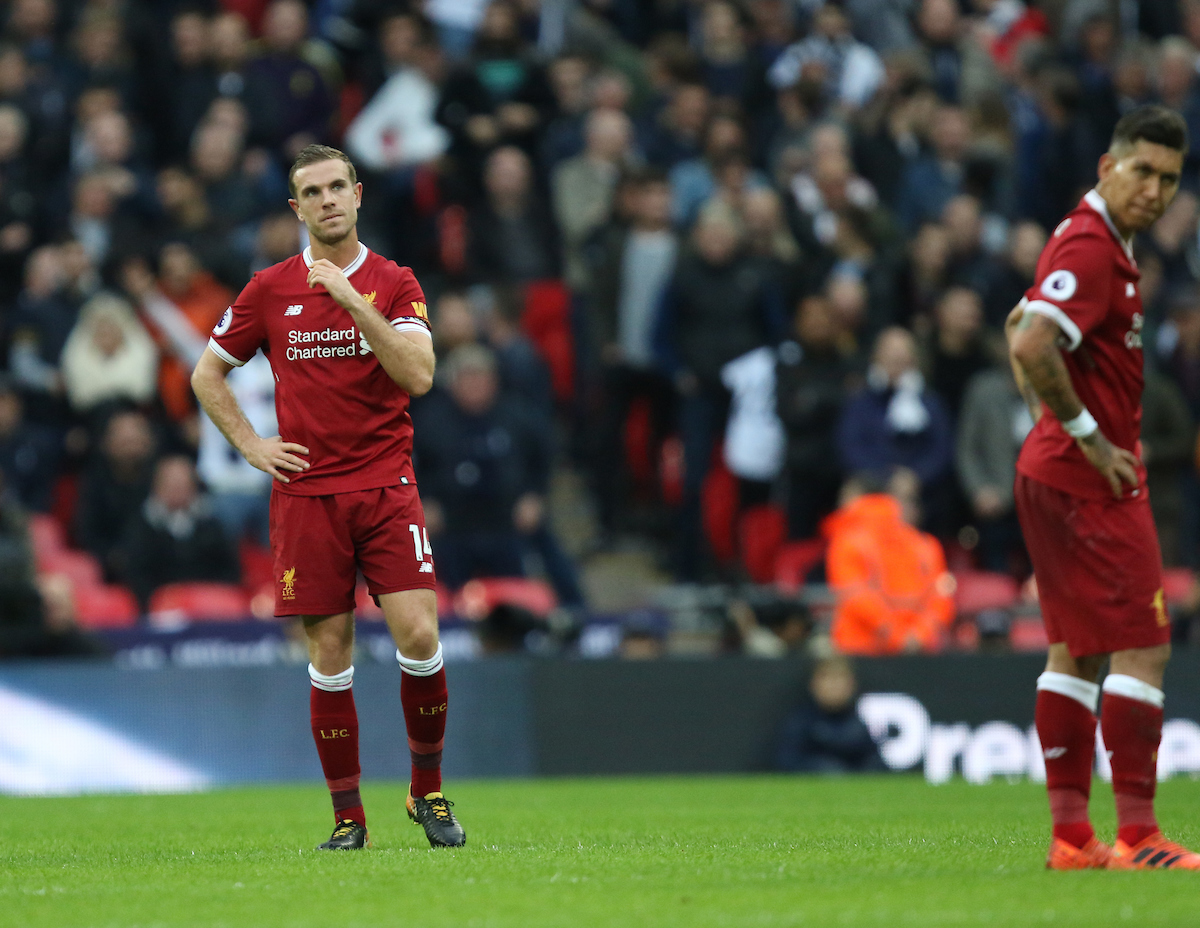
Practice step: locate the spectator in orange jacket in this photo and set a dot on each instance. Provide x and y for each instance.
(180, 307)
(893, 591)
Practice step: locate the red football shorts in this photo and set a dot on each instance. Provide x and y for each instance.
(1098, 569)
(319, 543)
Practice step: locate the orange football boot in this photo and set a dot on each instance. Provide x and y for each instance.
(1094, 855)
(1154, 852)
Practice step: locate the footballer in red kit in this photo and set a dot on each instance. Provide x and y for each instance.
(1075, 342)
(335, 399)
(347, 335)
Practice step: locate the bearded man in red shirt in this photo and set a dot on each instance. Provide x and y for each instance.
(1075, 342)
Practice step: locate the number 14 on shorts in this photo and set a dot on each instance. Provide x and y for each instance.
(420, 541)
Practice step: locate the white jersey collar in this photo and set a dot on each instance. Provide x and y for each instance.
(1096, 202)
(350, 268)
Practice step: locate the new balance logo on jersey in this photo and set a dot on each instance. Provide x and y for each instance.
(294, 310)
(425, 568)
(1054, 753)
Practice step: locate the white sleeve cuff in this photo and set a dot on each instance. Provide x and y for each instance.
(1061, 319)
(223, 354)
(405, 324)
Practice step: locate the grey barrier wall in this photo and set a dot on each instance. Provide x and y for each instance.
(83, 727)
(70, 728)
(943, 715)
(693, 716)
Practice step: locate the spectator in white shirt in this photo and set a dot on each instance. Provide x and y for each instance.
(109, 356)
(397, 129)
(239, 493)
(849, 71)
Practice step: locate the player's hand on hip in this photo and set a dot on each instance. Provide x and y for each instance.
(274, 455)
(330, 276)
(1116, 465)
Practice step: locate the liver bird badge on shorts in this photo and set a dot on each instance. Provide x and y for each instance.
(289, 584)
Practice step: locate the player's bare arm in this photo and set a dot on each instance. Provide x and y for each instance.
(406, 357)
(1034, 348)
(272, 455)
(1028, 394)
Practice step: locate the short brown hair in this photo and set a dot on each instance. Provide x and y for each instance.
(314, 154)
(1152, 123)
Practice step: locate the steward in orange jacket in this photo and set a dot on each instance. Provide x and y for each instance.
(893, 592)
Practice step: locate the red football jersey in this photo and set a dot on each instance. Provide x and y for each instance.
(331, 394)
(1087, 283)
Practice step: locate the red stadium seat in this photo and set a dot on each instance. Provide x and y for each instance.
(964, 636)
(638, 432)
(364, 605)
(719, 506)
(365, 608)
(957, 557)
(105, 607)
(1179, 584)
(350, 103)
(262, 602)
(65, 498)
(218, 602)
(258, 567)
(1027, 633)
(445, 600)
(547, 322)
(762, 531)
(252, 11)
(452, 238)
(81, 567)
(978, 590)
(670, 469)
(47, 536)
(427, 191)
(478, 597)
(795, 561)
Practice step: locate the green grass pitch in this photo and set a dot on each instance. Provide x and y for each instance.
(678, 851)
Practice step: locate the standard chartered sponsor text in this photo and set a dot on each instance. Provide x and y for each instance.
(297, 336)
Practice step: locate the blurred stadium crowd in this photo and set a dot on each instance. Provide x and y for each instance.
(715, 256)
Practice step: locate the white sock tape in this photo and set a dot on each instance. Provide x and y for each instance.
(1072, 687)
(1120, 684)
(333, 683)
(426, 668)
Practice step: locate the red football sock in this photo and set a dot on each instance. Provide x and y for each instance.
(1132, 730)
(335, 731)
(423, 695)
(1067, 730)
